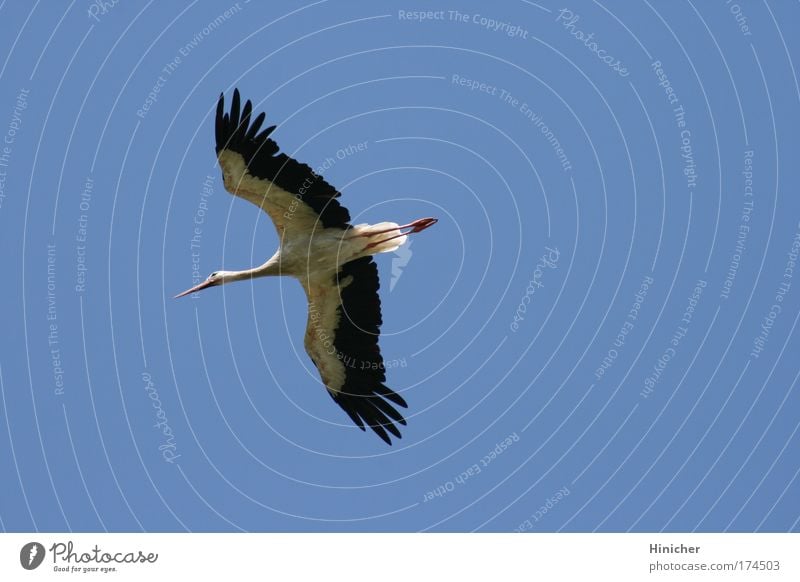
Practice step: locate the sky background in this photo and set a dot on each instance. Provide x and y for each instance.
(598, 335)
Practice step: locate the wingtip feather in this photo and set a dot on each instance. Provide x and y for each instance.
(378, 429)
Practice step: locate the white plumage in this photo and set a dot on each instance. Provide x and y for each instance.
(330, 258)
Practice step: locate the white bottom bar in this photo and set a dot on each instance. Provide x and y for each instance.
(400, 557)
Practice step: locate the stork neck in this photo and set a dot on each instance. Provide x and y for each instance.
(270, 268)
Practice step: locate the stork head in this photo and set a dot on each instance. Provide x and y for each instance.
(214, 279)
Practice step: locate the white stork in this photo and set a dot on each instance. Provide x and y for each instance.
(330, 258)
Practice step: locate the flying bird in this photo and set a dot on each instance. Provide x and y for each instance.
(331, 258)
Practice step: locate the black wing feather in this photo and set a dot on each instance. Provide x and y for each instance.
(255, 126)
(364, 396)
(234, 132)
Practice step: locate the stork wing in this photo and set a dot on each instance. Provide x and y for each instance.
(344, 317)
(295, 197)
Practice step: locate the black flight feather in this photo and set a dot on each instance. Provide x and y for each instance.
(234, 132)
(364, 396)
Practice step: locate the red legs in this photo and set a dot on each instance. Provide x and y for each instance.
(376, 243)
(416, 226)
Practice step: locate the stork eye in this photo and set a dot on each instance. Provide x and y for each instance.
(214, 274)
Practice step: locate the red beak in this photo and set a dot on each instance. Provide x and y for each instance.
(195, 289)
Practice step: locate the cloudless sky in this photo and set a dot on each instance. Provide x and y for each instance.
(599, 333)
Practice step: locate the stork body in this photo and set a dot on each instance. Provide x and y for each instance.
(331, 259)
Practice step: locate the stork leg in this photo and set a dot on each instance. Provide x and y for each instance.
(416, 226)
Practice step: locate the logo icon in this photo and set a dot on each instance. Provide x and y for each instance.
(31, 555)
(402, 256)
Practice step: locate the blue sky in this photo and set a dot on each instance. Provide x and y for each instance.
(597, 335)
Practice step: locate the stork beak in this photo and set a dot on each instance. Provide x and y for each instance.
(195, 289)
